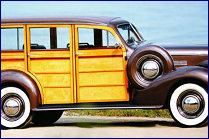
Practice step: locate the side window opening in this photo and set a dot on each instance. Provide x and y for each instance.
(49, 38)
(95, 38)
(12, 39)
(108, 39)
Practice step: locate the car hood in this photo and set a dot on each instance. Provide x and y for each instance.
(181, 49)
(186, 49)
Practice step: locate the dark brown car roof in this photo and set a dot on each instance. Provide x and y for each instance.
(97, 20)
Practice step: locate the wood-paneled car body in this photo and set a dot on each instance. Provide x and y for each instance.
(49, 65)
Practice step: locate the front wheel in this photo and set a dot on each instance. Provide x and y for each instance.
(15, 108)
(189, 105)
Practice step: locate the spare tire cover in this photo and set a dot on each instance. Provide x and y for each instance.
(147, 63)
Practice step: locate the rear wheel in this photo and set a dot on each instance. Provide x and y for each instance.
(189, 105)
(15, 108)
(46, 117)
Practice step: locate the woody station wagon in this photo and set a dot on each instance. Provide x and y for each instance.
(49, 65)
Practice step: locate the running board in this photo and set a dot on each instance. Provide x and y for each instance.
(93, 107)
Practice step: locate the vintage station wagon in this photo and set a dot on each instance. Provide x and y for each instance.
(52, 64)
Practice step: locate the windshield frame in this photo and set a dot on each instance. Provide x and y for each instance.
(137, 32)
(134, 31)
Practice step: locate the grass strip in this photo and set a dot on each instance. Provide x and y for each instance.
(121, 113)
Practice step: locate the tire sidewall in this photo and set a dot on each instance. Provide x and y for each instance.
(24, 118)
(174, 110)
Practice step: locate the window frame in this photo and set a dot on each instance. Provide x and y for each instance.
(48, 26)
(101, 38)
(106, 28)
(24, 36)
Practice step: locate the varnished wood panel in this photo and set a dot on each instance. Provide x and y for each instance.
(50, 65)
(50, 54)
(100, 64)
(54, 80)
(12, 60)
(12, 64)
(12, 55)
(101, 78)
(100, 52)
(57, 95)
(102, 94)
(53, 70)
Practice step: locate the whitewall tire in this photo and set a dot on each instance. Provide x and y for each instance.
(15, 108)
(189, 105)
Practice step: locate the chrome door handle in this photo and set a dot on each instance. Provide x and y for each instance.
(77, 53)
(30, 54)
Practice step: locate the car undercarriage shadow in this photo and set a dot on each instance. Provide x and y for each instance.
(111, 124)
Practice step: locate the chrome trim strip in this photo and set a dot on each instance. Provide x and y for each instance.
(191, 53)
(180, 63)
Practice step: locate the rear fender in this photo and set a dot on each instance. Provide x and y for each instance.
(20, 78)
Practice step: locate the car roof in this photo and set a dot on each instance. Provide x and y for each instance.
(97, 20)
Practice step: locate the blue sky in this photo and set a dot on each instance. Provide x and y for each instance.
(169, 22)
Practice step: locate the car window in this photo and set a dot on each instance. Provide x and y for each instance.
(12, 38)
(49, 38)
(95, 38)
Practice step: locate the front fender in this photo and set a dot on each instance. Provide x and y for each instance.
(204, 64)
(158, 91)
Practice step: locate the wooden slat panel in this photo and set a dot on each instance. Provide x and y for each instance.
(101, 52)
(12, 64)
(50, 66)
(57, 95)
(100, 64)
(101, 78)
(50, 54)
(103, 94)
(12, 55)
(54, 80)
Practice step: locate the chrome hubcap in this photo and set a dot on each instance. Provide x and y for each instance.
(12, 106)
(191, 104)
(150, 69)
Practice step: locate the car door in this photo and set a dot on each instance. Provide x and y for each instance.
(100, 65)
(50, 60)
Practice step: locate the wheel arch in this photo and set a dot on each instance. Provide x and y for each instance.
(25, 81)
(157, 93)
(181, 82)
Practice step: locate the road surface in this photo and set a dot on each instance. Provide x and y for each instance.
(106, 127)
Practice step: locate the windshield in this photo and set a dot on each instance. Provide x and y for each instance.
(130, 34)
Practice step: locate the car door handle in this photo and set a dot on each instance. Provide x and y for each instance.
(30, 54)
(77, 53)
